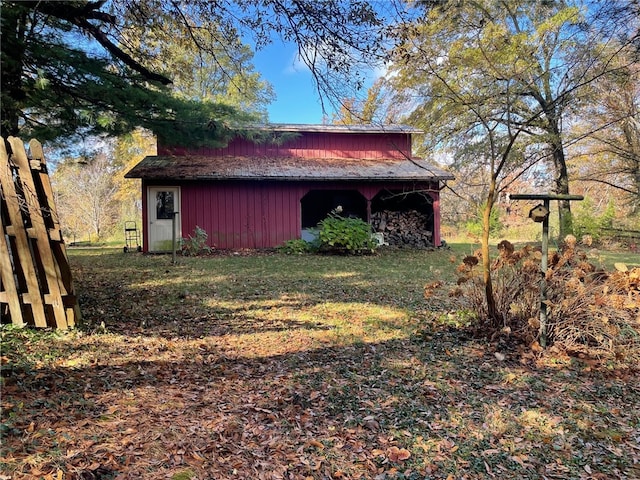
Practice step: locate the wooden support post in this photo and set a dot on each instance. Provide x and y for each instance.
(174, 239)
(543, 281)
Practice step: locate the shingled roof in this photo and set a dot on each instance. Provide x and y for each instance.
(223, 164)
(334, 128)
(199, 167)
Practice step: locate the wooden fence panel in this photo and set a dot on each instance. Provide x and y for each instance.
(8, 288)
(14, 228)
(35, 262)
(52, 223)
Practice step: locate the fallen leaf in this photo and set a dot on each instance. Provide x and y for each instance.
(316, 443)
(314, 395)
(535, 346)
(488, 470)
(395, 454)
(197, 456)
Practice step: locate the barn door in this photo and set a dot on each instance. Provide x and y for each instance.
(162, 204)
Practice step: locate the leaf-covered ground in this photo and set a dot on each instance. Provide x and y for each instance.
(286, 367)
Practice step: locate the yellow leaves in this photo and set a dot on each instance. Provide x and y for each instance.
(376, 452)
(632, 301)
(510, 378)
(556, 22)
(59, 475)
(621, 267)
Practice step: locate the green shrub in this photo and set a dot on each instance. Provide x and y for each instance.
(345, 235)
(474, 227)
(196, 244)
(586, 222)
(296, 246)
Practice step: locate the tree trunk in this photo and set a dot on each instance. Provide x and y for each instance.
(11, 78)
(562, 180)
(631, 132)
(492, 312)
(636, 203)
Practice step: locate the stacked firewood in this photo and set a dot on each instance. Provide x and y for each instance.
(403, 228)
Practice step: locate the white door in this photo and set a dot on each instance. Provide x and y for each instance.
(163, 204)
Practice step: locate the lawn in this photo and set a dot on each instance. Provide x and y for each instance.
(268, 366)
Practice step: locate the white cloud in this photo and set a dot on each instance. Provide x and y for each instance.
(295, 65)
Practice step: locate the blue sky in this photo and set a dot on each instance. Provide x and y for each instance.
(297, 100)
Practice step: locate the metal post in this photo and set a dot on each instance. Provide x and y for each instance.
(173, 237)
(543, 281)
(546, 198)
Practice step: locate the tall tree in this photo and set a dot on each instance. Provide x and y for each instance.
(461, 108)
(86, 196)
(491, 82)
(545, 54)
(609, 155)
(200, 65)
(371, 109)
(68, 67)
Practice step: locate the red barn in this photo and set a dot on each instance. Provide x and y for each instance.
(259, 194)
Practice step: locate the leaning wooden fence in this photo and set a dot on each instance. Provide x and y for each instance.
(36, 287)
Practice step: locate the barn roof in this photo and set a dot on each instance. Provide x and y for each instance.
(202, 167)
(331, 128)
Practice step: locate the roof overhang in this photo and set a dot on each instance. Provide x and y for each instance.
(198, 167)
(331, 128)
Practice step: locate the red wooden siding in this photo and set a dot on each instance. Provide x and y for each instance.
(258, 214)
(261, 214)
(241, 214)
(312, 145)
